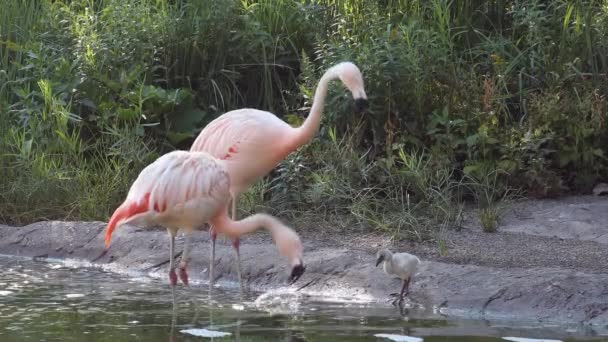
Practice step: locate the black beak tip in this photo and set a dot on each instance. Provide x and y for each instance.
(378, 261)
(361, 105)
(296, 273)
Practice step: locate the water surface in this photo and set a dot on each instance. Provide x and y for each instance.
(55, 301)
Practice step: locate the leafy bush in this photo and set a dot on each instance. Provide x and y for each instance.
(91, 91)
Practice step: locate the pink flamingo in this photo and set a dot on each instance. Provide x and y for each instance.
(252, 142)
(185, 190)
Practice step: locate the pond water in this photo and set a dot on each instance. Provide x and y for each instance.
(56, 301)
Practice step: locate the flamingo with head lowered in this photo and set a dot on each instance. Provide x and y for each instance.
(185, 190)
(252, 142)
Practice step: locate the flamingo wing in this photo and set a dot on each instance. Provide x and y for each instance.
(172, 190)
(250, 141)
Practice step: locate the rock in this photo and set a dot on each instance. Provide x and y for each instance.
(582, 218)
(601, 189)
(547, 294)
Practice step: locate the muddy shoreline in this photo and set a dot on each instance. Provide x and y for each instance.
(547, 264)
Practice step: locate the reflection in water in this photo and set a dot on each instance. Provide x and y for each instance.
(42, 301)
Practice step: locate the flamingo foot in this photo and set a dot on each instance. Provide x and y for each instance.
(173, 277)
(183, 275)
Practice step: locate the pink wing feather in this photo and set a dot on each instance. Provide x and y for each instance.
(250, 141)
(174, 180)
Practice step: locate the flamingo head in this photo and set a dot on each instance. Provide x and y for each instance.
(352, 78)
(293, 250)
(296, 272)
(289, 244)
(383, 255)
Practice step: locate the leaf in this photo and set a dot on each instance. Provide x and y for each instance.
(294, 119)
(491, 140)
(88, 103)
(598, 152)
(186, 120)
(566, 157)
(177, 137)
(127, 114)
(470, 169)
(507, 165)
(11, 45)
(472, 139)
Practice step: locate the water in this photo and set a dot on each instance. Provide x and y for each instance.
(53, 301)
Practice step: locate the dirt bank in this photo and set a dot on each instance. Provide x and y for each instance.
(548, 262)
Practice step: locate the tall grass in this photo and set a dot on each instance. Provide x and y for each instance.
(458, 90)
(18, 20)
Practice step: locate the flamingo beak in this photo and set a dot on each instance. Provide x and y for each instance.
(361, 105)
(380, 259)
(296, 273)
(108, 236)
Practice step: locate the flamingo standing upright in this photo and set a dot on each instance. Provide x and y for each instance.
(252, 142)
(185, 190)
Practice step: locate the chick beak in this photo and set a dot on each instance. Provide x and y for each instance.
(380, 259)
(296, 273)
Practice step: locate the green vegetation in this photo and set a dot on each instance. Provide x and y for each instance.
(468, 100)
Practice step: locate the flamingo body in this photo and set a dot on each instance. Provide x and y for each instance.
(402, 265)
(180, 189)
(252, 142)
(186, 190)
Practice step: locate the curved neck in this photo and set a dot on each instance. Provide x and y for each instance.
(286, 239)
(310, 127)
(235, 229)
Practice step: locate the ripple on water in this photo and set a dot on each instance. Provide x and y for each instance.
(524, 339)
(74, 295)
(75, 304)
(400, 338)
(204, 333)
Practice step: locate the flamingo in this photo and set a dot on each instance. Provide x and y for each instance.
(252, 142)
(183, 189)
(403, 265)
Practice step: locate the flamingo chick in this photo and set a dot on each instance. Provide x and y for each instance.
(186, 190)
(403, 265)
(253, 142)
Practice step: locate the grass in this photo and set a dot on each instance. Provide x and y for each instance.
(469, 101)
(488, 218)
(492, 198)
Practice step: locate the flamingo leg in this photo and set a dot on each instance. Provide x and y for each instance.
(183, 275)
(236, 244)
(213, 236)
(234, 207)
(172, 275)
(404, 291)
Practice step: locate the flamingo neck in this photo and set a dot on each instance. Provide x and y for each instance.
(235, 229)
(286, 239)
(311, 125)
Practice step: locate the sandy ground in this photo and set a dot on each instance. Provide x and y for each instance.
(548, 262)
